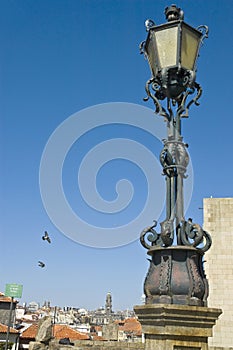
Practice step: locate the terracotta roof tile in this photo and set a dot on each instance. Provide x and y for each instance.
(59, 331)
(64, 331)
(5, 299)
(30, 332)
(132, 325)
(3, 329)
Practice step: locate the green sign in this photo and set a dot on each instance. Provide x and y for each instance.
(14, 290)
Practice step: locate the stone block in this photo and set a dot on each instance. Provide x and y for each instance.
(168, 325)
(37, 346)
(44, 333)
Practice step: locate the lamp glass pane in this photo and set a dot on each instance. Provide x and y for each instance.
(189, 48)
(152, 55)
(166, 42)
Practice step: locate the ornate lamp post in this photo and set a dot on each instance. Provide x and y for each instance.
(175, 314)
(176, 274)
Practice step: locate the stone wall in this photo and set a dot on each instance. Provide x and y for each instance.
(218, 221)
(219, 348)
(107, 345)
(99, 345)
(5, 312)
(88, 344)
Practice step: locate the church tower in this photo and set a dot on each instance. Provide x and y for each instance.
(108, 304)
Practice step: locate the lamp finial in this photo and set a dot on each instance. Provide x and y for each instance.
(173, 13)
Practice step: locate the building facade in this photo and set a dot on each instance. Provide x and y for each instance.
(5, 306)
(218, 221)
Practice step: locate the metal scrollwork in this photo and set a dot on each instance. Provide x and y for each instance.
(151, 235)
(173, 90)
(174, 158)
(183, 158)
(141, 47)
(194, 100)
(187, 87)
(167, 232)
(176, 273)
(204, 30)
(192, 234)
(154, 84)
(163, 239)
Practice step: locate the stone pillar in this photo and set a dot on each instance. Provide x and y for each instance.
(176, 327)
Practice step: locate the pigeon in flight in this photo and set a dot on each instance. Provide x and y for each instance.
(46, 237)
(41, 264)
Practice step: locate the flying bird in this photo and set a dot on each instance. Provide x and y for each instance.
(46, 237)
(41, 264)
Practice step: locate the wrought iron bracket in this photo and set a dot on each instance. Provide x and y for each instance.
(153, 84)
(191, 235)
(155, 90)
(163, 239)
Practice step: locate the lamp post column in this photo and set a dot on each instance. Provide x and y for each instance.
(175, 315)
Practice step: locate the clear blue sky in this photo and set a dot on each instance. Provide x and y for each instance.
(58, 57)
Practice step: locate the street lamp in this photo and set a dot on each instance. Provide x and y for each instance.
(176, 274)
(172, 50)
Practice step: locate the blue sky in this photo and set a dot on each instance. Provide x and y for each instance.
(58, 58)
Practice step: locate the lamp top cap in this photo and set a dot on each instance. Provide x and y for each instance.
(173, 13)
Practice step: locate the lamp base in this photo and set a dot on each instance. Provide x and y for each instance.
(176, 327)
(176, 276)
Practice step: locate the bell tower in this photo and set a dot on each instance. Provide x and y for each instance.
(108, 304)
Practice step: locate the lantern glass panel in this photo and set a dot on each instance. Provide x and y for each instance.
(166, 43)
(189, 48)
(152, 55)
